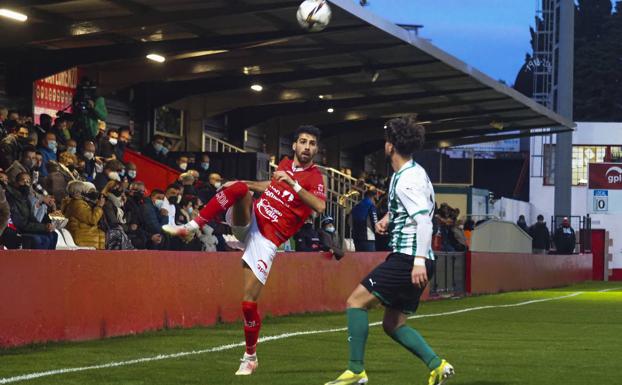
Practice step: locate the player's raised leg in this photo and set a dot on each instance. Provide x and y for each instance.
(358, 328)
(394, 325)
(234, 195)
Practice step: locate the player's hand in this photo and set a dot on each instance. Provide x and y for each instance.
(282, 176)
(383, 225)
(419, 276)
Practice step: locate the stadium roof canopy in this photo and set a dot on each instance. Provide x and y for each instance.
(363, 67)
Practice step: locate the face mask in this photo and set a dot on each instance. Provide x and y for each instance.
(164, 150)
(131, 173)
(71, 150)
(204, 165)
(122, 172)
(25, 190)
(217, 184)
(113, 141)
(158, 147)
(114, 176)
(173, 199)
(159, 203)
(52, 145)
(330, 229)
(99, 168)
(190, 210)
(89, 155)
(183, 166)
(138, 195)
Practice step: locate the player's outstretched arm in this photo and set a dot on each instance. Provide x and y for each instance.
(317, 204)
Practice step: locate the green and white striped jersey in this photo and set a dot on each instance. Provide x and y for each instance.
(410, 193)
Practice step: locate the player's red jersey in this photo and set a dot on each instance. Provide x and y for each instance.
(280, 212)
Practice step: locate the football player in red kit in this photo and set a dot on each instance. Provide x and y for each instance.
(295, 191)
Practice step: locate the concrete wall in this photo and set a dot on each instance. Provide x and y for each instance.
(500, 237)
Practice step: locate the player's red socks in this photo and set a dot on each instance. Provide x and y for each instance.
(219, 204)
(252, 324)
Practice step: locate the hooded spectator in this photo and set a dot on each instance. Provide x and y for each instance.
(522, 223)
(83, 207)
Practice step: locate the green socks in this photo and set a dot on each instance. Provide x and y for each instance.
(414, 342)
(358, 328)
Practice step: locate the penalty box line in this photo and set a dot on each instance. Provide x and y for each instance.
(160, 357)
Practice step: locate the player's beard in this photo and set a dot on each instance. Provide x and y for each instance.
(304, 159)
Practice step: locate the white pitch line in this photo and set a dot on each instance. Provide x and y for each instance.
(611, 289)
(32, 376)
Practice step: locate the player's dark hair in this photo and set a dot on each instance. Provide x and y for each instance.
(405, 134)
(307, 129)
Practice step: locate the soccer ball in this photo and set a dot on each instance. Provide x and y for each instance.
(313, 15)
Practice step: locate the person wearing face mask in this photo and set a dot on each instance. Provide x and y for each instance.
(48, 149)
(204, 167)
(90, 162)
(181, 164)
(11, 146)
(185, 213)
(108, 145)
(135, 197)
(114, 218)
(72, 147)
(24, 164)
(154, 217)
(124, 140)
(171, 201)
(328, 238)
(132, 173)
(187, 183)
(307, 238)
(110, 172)
(83, 207)
(35, 234)
(214, 183)
(154, 149)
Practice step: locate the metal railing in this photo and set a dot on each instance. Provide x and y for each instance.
(214, 144)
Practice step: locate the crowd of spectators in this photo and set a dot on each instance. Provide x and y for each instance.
(69, 173)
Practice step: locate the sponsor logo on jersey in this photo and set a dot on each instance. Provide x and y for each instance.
(222, 200)
(262, 267)
(265, 210)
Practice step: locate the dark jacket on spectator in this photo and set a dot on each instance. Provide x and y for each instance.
(307, 238)
(565, 240)
(152, 219)
(540, 235)
(10, 149)
(105, 149)
(56, 184)
(330, 241)
(22, 213)
(100, 181)
(151, 152)
(133, 222)
(5, 212)
(48, 155)
(15, 169)
(364, 219)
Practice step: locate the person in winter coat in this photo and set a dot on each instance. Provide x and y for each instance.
(84, 208)
(565, 239)
(541, 238)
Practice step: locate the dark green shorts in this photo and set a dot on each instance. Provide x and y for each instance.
(391, 282)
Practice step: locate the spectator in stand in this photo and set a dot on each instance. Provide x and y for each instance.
(48, 149)
(187, 184)
(71, 146)
(522, 223)
(565, 239)
(114, 217)
(41, 233)
(541, 236)
(133, 216)
(364, 219)
(83, 207)
(154, 149)
(91, 110)
(25, 164)
(459, 240)
(154, 217)
(11, 146)
(61, 130)
(91, 163)
(45, 126)
(329, 240)
(204, 168)
(132, 172)
(125, 137)
(192, 161)
(55, 183)
(181, 164)
(111, 172)
(187, 211)
(307, 238)
(107, 147)
(209, 190)
(171, 200)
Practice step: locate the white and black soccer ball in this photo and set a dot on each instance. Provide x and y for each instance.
(313, 15)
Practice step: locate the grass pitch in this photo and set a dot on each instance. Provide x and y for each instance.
(571, 335)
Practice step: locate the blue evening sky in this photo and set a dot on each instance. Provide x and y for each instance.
(490, 35)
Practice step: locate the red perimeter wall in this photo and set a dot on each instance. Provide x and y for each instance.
(79, 295)
(496, 272)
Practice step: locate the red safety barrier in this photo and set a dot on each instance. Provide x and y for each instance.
(497, 272)
(616, 275)
(79, 295)
(154, 174)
